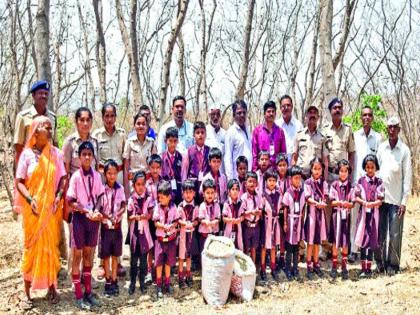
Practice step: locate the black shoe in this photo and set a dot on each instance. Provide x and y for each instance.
(159, 293)
(182, 284)
(89, 298)
(189, 282)
(369, 273)
(108, 290)
(169, 290)
(263, 276)
(333, 273)
(296, 275)
(310, 275)
(275, 275)
(132, 288)
(352, 258)
(344, 274)
(289, 275)
(318, 272)
(115, 289)
(390, 271)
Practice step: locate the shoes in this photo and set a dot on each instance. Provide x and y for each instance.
(352, 258)
(333, 273)
(148, 278)
(275, 275)
(182, 283)
(390, 271)
(108, 290)
(365, 274)
(189, 282)
(289, 275)
(159, 293)
(132, 288)
(115, 289)
(169, 289)
(318, 272)
(310, 275)
(344, 274)
(82, 305)
(263, 276)
(92, 300)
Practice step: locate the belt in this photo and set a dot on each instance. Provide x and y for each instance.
(166, 239)
(251, 224)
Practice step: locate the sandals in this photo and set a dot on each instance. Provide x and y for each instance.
(53, 297)
(26, 304)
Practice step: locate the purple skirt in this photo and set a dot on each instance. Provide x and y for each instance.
(339, 233)
(165, 253)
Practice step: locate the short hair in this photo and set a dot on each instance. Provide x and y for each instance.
(80, 110)
(263, 152)
(269, 104)
(154, 158)
(143, 107)
(110, 163)
(370, 158)
(106, 105)
(215, 153)
(171, 132)
(241, 159)
(238, 103)
(188, 185)
(198, 125)
(164, 188)
(209, 183)
(138, 175)
(86, 145)
(334, 101)
(177, 98)
(343, 163)
(316, 160)
(138, 115)
(295, 170)
(270, 173)
(285, 97)
(282, 157)
(232, 182)
(251, 175)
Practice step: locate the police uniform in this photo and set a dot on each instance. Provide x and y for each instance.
(307, 147)
(71, 151)
(137, 153)
(110, 146)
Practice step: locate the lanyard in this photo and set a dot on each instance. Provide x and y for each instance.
(114, 192)
(171, 165)
(91, 184)
(371, 190)
(343, 189)
(188, 210)
(316, 188)
(140, 204)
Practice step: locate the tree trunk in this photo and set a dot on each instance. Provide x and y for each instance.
(240, 90)
(166, 68)
(42, 40)
(181, 63)
(100, 50)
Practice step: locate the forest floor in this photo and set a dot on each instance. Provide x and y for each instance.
(399, 294)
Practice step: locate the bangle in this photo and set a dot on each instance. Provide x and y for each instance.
(29, 199)
(60, 194)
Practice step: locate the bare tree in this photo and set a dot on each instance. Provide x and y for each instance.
(100, 50)
(42, 40)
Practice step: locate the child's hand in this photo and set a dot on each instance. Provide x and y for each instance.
(348, 204)
(285, 227)
(321, 205)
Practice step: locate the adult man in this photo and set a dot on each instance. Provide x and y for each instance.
(395, 170)
(144, 110)
(268, 137)
(366, 142)
(310, 143)
(237, 140)
(215, 134)
(288, 123)
(40, 92)
(185, 128)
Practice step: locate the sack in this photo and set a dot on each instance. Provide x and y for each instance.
(244, 276)
(217, 261)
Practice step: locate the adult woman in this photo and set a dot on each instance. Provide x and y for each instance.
(40, 179)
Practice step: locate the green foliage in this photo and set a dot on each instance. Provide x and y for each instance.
(64, 127)
(379, 122)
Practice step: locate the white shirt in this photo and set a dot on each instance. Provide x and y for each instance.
(364, 146)
(185, 137)
(395, 171)
(237, 143)
(215, 139)
(290, 131)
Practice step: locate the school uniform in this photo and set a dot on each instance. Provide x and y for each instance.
(315, 224)
(151, 188)
(242, 186)
(251, 223)
(171, 172)
(85, 188)
(272, 206)
(221, 185)
(260, 191)
(188, 241)
(111, 233)
(208, 212)
(165, 243)
(340, 219)
(233, 231)
(282, 186)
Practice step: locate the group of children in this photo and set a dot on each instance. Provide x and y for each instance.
(175, 206)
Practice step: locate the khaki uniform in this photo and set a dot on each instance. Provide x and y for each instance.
(307, 147)
(110, 146)
(138, 153)
(23, 123)
(71, 151)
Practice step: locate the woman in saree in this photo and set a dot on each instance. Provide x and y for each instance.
(40, 180)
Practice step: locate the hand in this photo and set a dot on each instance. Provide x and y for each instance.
(401, 211)
(56, 203)
(285, 227)
(348, 204)
(321, 205)
(34, 207)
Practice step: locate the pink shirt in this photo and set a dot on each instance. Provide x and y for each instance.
(209, 212)
(151, 188)
(165, 216)
(85, 188)
(249, 203)
(112, 199)
(221, 186)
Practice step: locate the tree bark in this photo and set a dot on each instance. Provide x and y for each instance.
(100, 50)
(181, 63)
(42, 40)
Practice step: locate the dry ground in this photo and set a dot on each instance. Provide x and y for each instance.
(380, 295)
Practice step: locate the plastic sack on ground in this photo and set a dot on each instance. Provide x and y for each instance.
(244, 276)
(217, 261)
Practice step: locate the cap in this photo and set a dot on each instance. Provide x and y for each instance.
(392, 121)
(213, 107)
(310, 107)
(334, 101)
(38, 85)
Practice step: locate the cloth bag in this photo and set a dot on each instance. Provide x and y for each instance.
(244, 276)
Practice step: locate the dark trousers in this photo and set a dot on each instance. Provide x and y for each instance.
(391, 228)
(136, 258)
(292, 252)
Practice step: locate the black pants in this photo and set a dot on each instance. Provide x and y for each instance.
(136, 258)
(366, 254)
(292, 252)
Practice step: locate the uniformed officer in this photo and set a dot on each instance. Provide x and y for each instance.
(310, 143)
(40, 92)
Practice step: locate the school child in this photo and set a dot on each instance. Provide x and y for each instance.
(316, 194)
(341, 196)
(294, 201)
(369, 193)
(85, 188)
(241, 169)
(140, 209)
(188, 241)
(263, 165)
(251, 210)
(231, 214)
(215, 162)
(283, 183)
(195, 163)
(166, 219)
(208, 212)
(112, 207)
(172, 164)
(272, 205)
